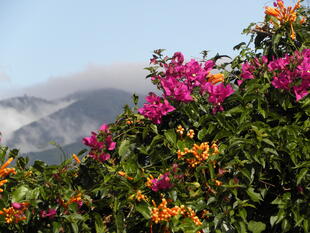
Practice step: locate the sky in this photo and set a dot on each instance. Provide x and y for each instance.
(52, 43)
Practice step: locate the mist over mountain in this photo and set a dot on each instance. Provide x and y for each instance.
(64, 121)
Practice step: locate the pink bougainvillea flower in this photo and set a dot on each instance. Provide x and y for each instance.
(17, 205)
(156, 108)
(176, 89)
(292, 73)
(99, 148)
(247, 72)
(103, 157)
(217, 95)
(104, 128)
(93, 142)
(50, 213)
(178, 58)
(301, 91)
(161, 183)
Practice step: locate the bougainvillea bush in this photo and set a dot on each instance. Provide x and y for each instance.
(223, 148)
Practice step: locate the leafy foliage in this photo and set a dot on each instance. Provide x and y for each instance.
(227, 152)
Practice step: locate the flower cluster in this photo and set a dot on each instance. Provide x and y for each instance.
(283, 14)
(5, 171)
(297, 79)
(190, 133)
(199, 153)
(161, 183)
(100, 144)
(162, 213)
(291, 72)
(217, 95)
(155, 108)
(139, 196)
(179, 81)
(252, 68)
(15, 213)
(50, 213)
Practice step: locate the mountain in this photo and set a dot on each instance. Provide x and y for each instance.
(19, 111)
(56, 154)
(84, 112)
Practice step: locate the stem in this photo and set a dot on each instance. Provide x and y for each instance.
(211, 169)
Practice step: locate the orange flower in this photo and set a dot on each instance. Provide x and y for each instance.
(191, 134)
(180, 130)
(123, 174)
(7, 163)
(284, 14)
(76, 158)
(218, 183)
(162, 213)
(272, 11)
(215, 78)
(13, 215)
(5, 171)
(140, 196)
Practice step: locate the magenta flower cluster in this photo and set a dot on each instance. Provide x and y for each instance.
(161, 183)
(50, 213)
(249, 68)
(217, 95)
(99, 148)
(296, 79)
(155, 108)
(290, 72)
(178, 82)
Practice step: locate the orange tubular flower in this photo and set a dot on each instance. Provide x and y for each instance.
(272, 11)
(215, 78)
(5, 171)
(140, 196)
(76, 158)
(284, 14)
(123, 174)
(13, 215)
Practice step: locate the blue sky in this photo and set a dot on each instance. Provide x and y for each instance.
(46, 39)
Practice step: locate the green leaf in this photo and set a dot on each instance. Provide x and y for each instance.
(301, 175)
(124, 148)
(256, 227)
(57, 226)
(286, 226)
(266, 140)
(243, 214)
(202, 133)
(19, 194)
(143, 208)
(256, 197)
(154, 128)
(171, 136)
(74, 227)
(100, 227)
(270, 150)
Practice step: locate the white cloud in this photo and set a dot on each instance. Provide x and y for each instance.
(126, 76)
(12, 119)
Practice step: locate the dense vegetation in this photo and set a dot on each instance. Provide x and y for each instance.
(225, 148)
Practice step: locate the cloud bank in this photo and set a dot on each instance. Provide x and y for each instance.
(125, 76)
